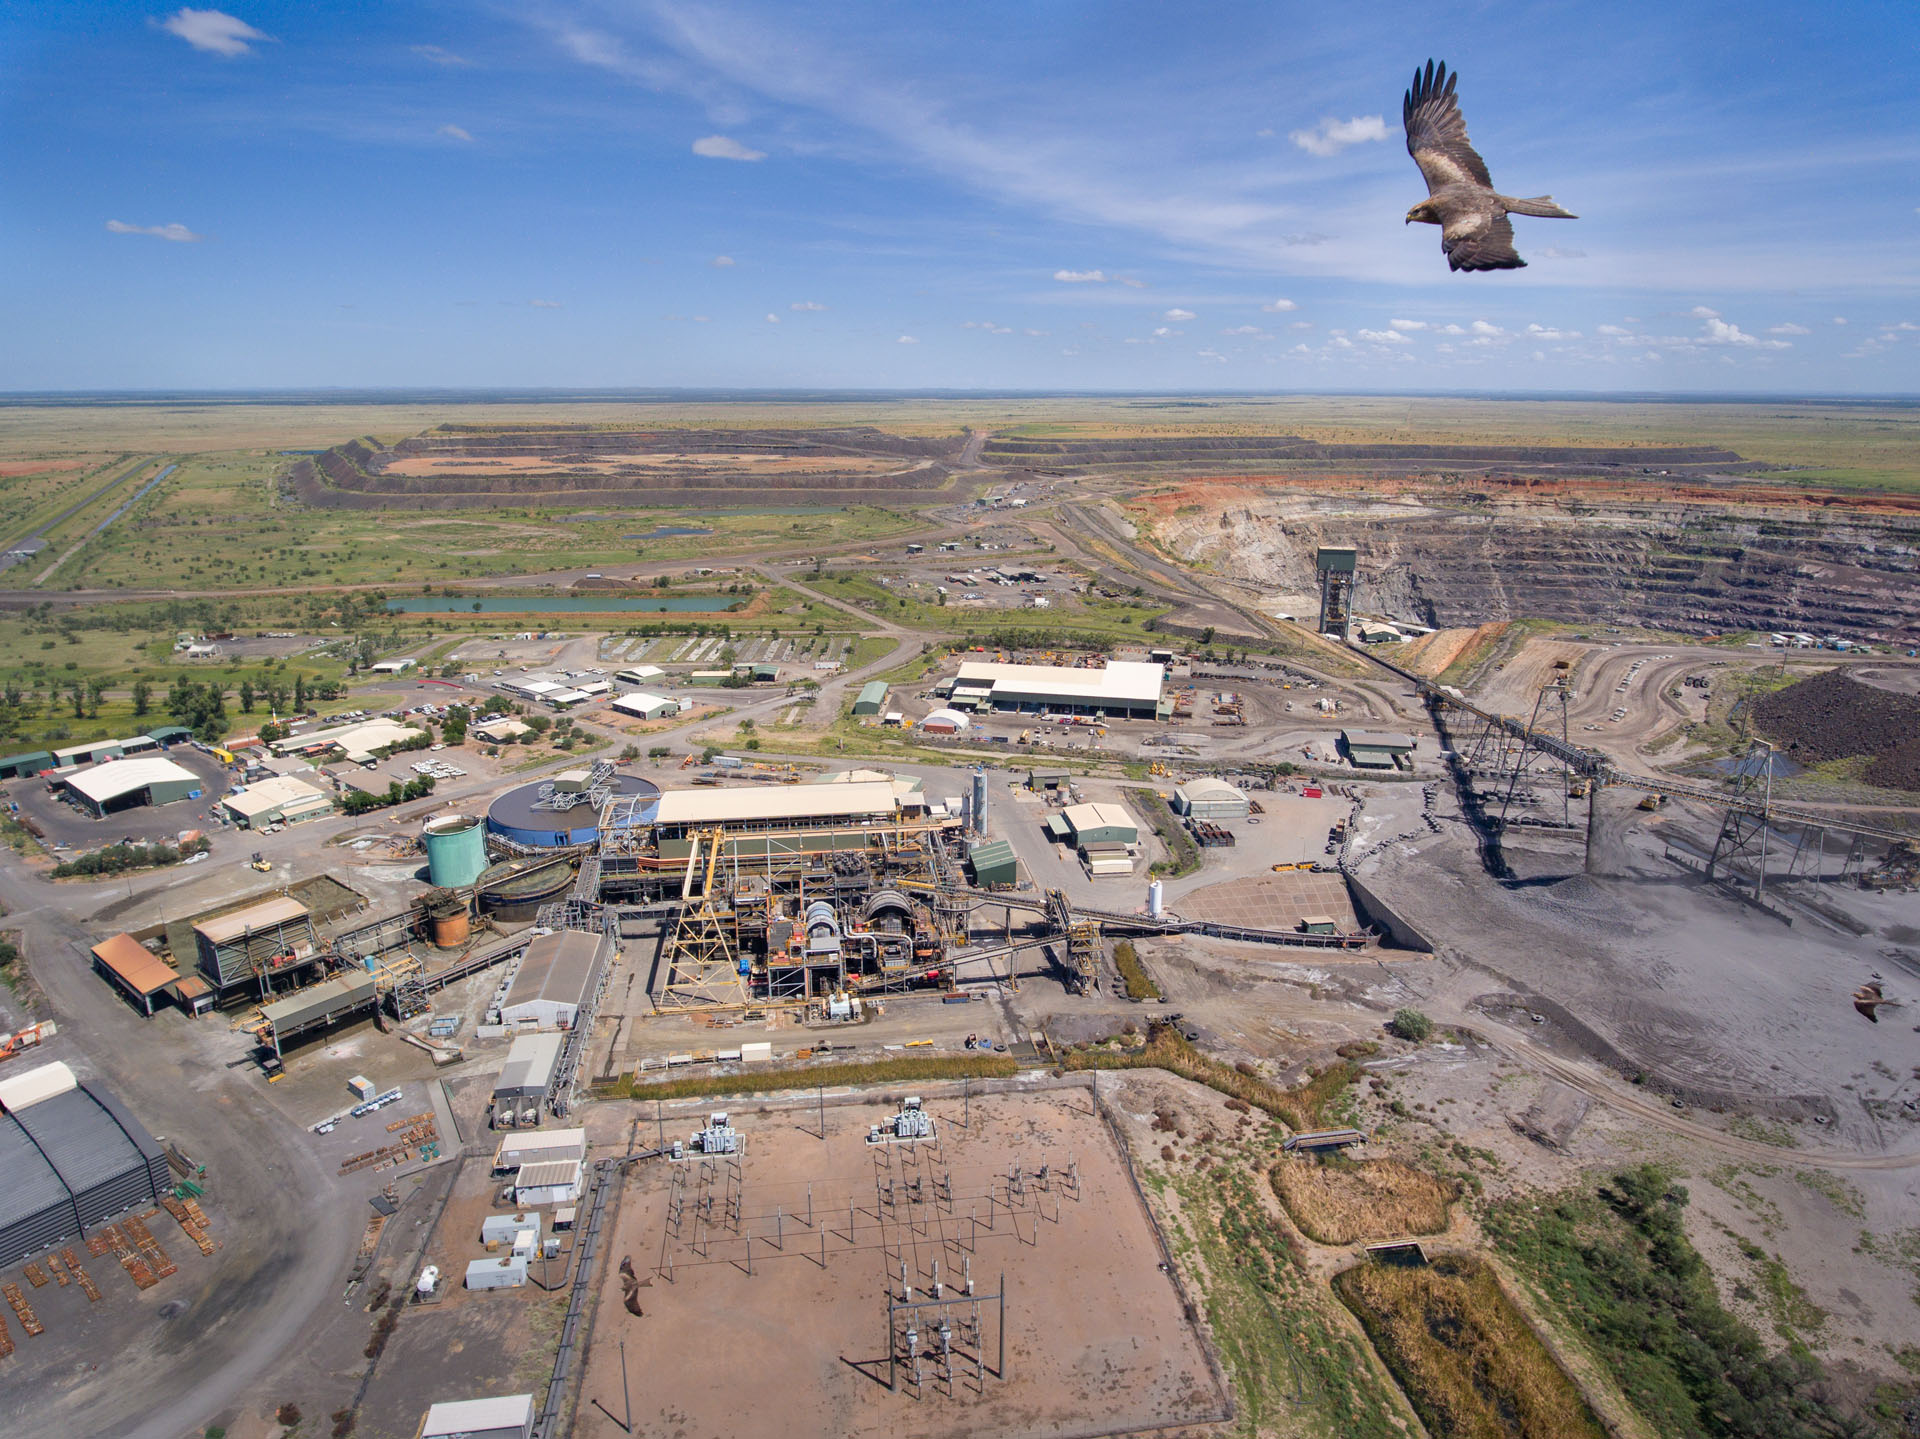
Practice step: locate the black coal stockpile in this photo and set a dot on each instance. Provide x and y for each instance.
(1833, 717)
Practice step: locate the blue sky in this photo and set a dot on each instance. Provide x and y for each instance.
(1052, 196)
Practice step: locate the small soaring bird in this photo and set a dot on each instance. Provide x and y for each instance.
(1461, 200)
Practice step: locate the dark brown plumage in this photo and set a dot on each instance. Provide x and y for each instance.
(1475, 232)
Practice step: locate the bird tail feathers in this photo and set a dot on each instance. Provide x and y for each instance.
(1541, 205)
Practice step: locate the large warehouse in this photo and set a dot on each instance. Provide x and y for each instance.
(552, 981)
(1121, 689)
(234, 948)
(280, 800)
(1376, 749)
(684, 812)
(1086, 824)
(70, 1158)
(123, 783)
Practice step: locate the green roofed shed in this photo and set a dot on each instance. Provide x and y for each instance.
(873, 698)
(30, 762)
(993, 862)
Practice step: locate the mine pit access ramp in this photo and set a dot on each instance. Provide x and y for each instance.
(1748, 800)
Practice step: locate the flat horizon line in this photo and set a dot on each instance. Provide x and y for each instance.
(550, 394)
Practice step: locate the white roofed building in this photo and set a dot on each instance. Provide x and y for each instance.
(1130, 689)
(124, 783)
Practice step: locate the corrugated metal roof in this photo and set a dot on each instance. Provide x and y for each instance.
(1208, 787)
(538, 1146)
(279, 910)
(109, 781)
(334, 995)
(134, 964)
(275, 793)
(28, 1184)
(18, 1091)
(479, 1414)
(550, 1172)
(556, 968)
(82, 1140)
(712, 806)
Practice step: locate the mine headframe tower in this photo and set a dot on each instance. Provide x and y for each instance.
(1337, 568)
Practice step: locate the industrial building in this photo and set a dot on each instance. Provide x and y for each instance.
(542, 1146)
(683, 812)
(393, 667)
(264, 944)
(360, 742)
(318, 1006)
(130, 967)
(565, 810)
(945, 721)
(521, 1088)
(993, 863)
(554, 978)
(553, 1181)
(872, 700)
(639, 674)
(124, 783)
(1376, 749)
(1120, 689)
(508, 1417)
(97, 751)
(503, 729)
(642, 705)
(1089, 824)
(1211, 800)
(70, 1158)
(280, 800)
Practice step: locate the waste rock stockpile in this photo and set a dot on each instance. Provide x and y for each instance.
(1833, 717)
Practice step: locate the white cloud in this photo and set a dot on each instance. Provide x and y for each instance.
(434, 55)
(702, 319)
(1213, 355)
(722, 262)
(988, 325)
(1487, 330)
(1342, 342)
(213, 31)
(1614, 332)
(1558, 252)
(1266, 134)
(806, 305)
(1299, 350)
(546, 304)
(772, 319)
(1901, 325)
(1301, 325)
(1279, 307)
(1701, 312)
(1245, 330)
(1385, 337)
(1332, 136)
(906, 340)
(1450, 330)
(179, 234)
(724, 147)
(1839, 319)
(1544, 332)
(454, 132)
(1406, 324)
(1129, 282)
(1788, 329)
(1177, 314)
(1038, 334)
(1081, 277)
(1166, 332)
(1722, 332)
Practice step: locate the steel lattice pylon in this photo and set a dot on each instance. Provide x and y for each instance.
(1529, 758)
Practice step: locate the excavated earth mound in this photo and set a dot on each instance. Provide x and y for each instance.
(1833, 717)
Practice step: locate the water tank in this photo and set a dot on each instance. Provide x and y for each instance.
(456, 850)
(429, 1277)
(1156, 899)
(979, 803)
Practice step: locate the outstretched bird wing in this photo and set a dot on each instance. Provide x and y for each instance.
(1437, 133)
(1480, 240)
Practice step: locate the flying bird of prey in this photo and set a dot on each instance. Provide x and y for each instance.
(1474, 229)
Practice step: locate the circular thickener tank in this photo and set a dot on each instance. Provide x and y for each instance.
(456, 850)
(518, 815)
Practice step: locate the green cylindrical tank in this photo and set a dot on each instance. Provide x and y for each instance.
(456, 850)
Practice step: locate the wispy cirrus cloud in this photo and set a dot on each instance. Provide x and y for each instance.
(1788, 329)
(725, 147)
(1080, 277)
(213, 31)
(435, 55)
(806, 305)
(179, 234)
(723, 262)
(1332, 136)
(455, 132)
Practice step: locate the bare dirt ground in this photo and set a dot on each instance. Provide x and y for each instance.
(1095, 1337)
(610, 464)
